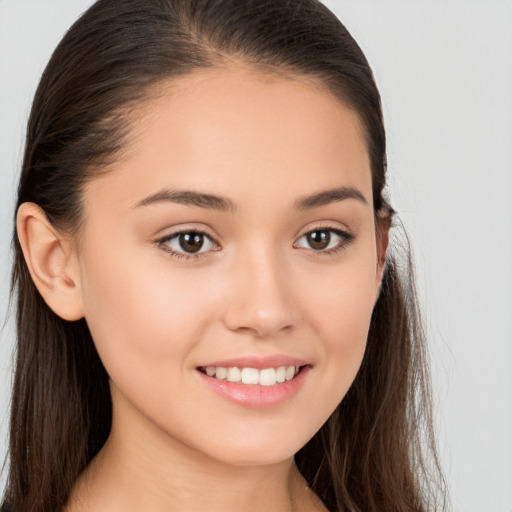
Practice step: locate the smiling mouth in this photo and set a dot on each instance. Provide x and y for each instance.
(252, 376)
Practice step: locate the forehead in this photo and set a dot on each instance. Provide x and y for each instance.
(236, 130)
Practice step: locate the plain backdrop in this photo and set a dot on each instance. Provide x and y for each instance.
(444, 68)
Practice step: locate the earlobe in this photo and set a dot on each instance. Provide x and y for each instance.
(48, 256)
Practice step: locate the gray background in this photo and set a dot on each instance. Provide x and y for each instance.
(445, 73)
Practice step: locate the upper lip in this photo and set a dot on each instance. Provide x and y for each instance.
(273, 361)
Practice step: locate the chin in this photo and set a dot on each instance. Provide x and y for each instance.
(265, 451)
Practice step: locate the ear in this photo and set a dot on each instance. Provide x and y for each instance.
(384, 225)
(51, 262)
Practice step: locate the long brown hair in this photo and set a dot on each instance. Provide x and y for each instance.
(376, 452)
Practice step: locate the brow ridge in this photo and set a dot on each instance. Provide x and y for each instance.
(189, 198)
(214, 202)
(329, 196)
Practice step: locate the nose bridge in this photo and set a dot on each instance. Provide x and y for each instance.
(261, 302)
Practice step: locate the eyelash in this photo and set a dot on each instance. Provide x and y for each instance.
(346, 239)
(183, 255)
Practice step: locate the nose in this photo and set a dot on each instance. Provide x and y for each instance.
(261, 300)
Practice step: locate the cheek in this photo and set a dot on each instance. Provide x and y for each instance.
(340, 306)
(144, 317)
(342, 296)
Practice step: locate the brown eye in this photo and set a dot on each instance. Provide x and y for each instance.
(191, 242)
(188, 244)
(326, 240)
(319, 240)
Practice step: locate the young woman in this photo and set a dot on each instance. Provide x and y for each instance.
(209, 316)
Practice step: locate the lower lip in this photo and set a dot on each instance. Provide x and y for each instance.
(255, 396)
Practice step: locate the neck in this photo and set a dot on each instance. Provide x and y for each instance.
(142, 468)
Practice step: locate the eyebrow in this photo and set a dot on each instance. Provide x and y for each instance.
(189, 198)
(213, 202)
(329, 196)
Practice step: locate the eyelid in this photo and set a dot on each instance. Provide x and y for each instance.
(346, 239)
(162, 241)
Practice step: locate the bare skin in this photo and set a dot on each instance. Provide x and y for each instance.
(258, 286)
(118, 480)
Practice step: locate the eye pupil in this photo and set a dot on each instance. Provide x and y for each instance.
(191, 242)
(319, 239)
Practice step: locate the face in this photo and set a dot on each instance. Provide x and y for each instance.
(229, 265)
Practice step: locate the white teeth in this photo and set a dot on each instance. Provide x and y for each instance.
(234, 375)
(250, 376)
(221, 373)
(264, 377)
(290, 372)
(267, 377)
